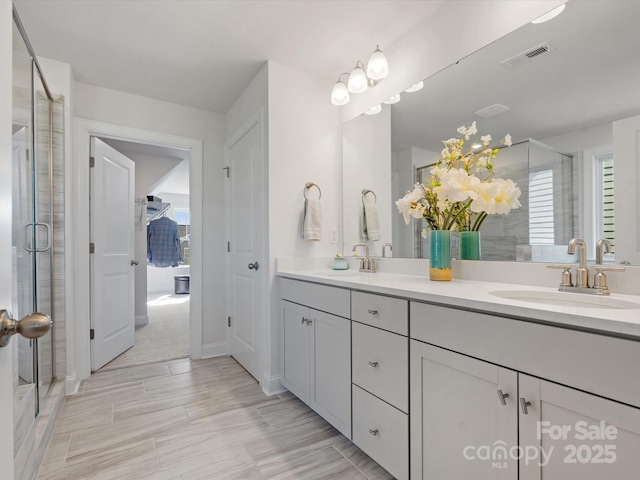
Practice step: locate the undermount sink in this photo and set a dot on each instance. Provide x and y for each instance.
(566, 299)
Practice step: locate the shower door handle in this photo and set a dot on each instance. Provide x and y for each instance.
(30, 326)
(32, 248)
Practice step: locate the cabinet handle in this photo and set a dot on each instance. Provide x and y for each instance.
(524, 404)
(373, 364)
(373, 312)
(303, 320)
(502, 397)
(373, 432)
(306, 321)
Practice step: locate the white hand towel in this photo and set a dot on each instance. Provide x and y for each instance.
(312, 220)
(371, 222)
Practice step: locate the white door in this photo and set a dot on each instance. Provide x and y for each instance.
(626, 171)
(246, 230)
(112, 272)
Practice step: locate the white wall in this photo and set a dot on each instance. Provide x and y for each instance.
(304, 145)
(454, 31)
(366, 164)
(104, 105)
(6, 354)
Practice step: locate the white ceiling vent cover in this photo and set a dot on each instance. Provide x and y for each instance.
(492, 110)
(527, 56)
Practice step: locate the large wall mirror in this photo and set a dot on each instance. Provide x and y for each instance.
(566, 83)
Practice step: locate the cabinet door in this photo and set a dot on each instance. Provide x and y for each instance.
(567, 434)
(331, 369)
(295, 349)
(460, 428)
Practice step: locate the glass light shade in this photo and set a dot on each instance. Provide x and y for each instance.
(340, 94)
(377, 67)
(392, 100)
(374, 110)
(549, 15)
(357, 81)
(415, 88)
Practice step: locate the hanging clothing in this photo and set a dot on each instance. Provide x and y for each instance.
(163, 243)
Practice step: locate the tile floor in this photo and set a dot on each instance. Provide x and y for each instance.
(192, 420)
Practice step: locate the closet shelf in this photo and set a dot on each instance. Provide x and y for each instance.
(156, 210)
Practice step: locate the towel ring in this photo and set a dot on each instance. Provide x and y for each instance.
(309, 185)
(365, 191)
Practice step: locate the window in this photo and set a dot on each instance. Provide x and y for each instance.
(541, 224)
(604, 198)
(183, 218)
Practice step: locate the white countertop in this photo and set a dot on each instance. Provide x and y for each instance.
(475, 295)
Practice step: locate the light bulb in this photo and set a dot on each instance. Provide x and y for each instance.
(377, 67)
(392, 100)
(374, 110)
(357, 81)
(339, 94)
(415, 88)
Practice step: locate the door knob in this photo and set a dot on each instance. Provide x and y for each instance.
(134, 262)
(30, 326)
(254, 266)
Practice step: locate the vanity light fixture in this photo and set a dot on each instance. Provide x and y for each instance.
(550, 15)
(359, 79)
(374, 110)
(415, 87)
(340, 92)
(392, 100)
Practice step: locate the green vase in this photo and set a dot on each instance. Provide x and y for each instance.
(440, 255)
(469, 245)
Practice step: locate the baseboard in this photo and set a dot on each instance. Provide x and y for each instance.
(142, 320)
(272, 386)
(214, 350)
(72, 383)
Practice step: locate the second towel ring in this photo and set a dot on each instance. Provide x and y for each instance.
(309, 185)
(365, 191)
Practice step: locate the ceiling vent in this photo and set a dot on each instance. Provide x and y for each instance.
(527, 56)
(492, 110)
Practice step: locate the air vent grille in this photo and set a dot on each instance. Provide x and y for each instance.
(527, 56)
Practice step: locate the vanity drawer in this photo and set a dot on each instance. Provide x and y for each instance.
(379, 362)
(379, 311)
(382, 432)
(319, 297)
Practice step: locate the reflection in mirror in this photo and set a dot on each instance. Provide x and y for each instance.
(564, 83)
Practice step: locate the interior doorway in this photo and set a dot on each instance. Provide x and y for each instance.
(162, 229)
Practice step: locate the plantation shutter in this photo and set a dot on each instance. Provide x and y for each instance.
(541, 208)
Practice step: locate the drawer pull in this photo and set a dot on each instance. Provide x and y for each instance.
(502, 397)
(524, 404)
(373, 432)
(373, 364)
(373, 312)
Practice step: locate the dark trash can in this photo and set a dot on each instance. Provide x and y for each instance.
(181, 284)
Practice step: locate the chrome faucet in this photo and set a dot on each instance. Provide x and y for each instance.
(384, 248)
(603, 246)
(366, 264)
(582, 275)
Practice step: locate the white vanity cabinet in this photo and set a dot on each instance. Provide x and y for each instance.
(316, 350)
(380, 354)
(480, 402)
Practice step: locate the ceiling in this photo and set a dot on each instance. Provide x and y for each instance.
(204, 53)
(590, 79)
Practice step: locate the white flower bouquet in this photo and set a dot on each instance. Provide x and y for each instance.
(462, 190)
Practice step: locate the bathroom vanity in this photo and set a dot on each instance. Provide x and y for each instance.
(467, 379)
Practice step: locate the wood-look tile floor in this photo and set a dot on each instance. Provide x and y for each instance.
(192, 420)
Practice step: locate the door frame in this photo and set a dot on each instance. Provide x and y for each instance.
(84, 129)
(263, 331)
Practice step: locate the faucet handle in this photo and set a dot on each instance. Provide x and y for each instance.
(565, 276)
(600, 279)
